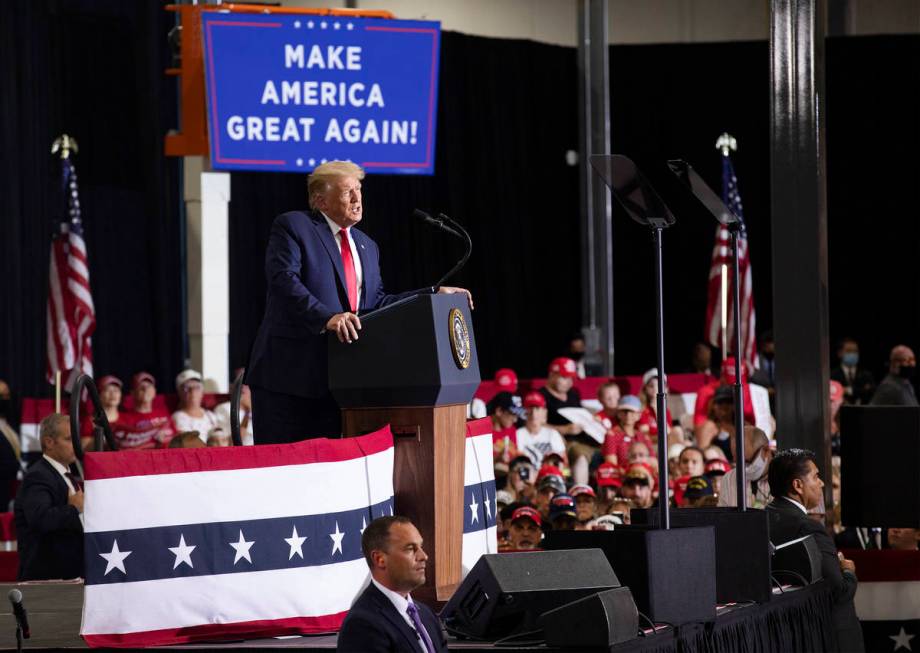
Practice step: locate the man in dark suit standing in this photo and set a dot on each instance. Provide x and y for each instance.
(322, 273)
(796, 487)
(384, 617)
(48, 508)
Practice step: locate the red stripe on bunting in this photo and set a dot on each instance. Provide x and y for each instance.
(119, 464)
(886, 565)
(481, 426)
(217, 632)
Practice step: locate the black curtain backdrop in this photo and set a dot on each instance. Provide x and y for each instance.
(507, 117)
(92, 69)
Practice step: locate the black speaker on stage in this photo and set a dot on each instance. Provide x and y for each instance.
(742, 548)
(597, 621)
(878, 488)
(506, 593)
(798, 562)
(672, 573)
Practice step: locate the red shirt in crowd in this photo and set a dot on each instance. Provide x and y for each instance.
(704, 396)
(135, 430)
(616, 443)
(649, 420)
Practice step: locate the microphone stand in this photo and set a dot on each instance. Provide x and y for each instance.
(100, 421)
(636, 195)
(235, 391)
(466, 256)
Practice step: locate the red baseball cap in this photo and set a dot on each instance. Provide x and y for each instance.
(526, 512)
(564, 366)
(534, 399)
(549, 470)
(717, 466)
(608, 475)
(577, 490)
(108, 380)
(140, 377)
(506, 379)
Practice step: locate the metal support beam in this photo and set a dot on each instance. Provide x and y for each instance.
(596, 222)
(799, 225)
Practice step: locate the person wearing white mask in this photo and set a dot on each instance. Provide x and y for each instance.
(757, 454)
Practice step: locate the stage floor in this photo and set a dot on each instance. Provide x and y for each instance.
(55, 611)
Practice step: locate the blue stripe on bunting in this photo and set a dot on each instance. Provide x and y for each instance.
(479, 506)
(165, 552)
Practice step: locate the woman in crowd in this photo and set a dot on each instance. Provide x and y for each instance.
(191, 416)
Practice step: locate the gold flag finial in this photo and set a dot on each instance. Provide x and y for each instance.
(65, 145)
(727, 144)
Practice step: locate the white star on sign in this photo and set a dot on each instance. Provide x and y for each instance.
(296, 544)
(323, 24)
(337, 539)
(349, 26)
(474, 508)
(242, 549)
(312, 162)
(488, 503)
(297, 24)
(299, 161)
(902, 639)
(183, 552)
(310, 24)
(115, 559)
(336, 25)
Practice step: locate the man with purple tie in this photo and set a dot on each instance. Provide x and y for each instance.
(384, 617)
(322, 274)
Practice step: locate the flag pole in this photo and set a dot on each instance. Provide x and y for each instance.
(724, 310)
(57, 391)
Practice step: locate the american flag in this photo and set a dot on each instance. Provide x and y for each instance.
(722, 255)
(71, 317)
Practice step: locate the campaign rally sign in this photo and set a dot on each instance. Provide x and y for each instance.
(288, 92)
(480, 515)
(215, 543)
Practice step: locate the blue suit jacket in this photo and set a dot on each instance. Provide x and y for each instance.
(306, 286)
(374, 626)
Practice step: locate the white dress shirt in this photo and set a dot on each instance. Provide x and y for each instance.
(797, 505)
(400, 602)
(359, 271)
(60, 469)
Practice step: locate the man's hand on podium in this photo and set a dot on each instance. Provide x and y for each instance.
(345, 326)
(448, 290)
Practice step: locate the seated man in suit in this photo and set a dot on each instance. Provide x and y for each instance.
(384, 617)
(796, 488)
(48, 508)
(322, 272)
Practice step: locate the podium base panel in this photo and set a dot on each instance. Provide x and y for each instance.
(430, 446)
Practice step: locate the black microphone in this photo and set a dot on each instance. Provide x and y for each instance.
(418, 213)
(22, 619)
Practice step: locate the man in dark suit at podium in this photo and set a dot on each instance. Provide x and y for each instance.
(384, 617)
(321, 273)
(796, 488)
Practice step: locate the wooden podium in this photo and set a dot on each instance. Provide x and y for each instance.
(414, 367)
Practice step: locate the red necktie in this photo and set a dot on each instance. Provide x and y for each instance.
(351, 279)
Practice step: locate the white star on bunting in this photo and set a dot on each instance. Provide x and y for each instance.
(363, 525)
(337, 539)
(242, 549)
(474, 508)
(902, 640)
(296, 544)
(115, 559)
(183, 552)
(488, 503)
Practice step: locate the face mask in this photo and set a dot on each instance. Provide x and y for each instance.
(577, 355)
(907, 371)
(755, 469)
(850, 359)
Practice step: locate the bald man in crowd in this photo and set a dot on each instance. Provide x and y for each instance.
(322, 274)
(897, 389)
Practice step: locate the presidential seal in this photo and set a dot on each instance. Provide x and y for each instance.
(459, 339)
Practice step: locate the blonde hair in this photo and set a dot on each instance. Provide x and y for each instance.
(324, 174)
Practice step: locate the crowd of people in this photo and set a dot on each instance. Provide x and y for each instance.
(551, 473)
